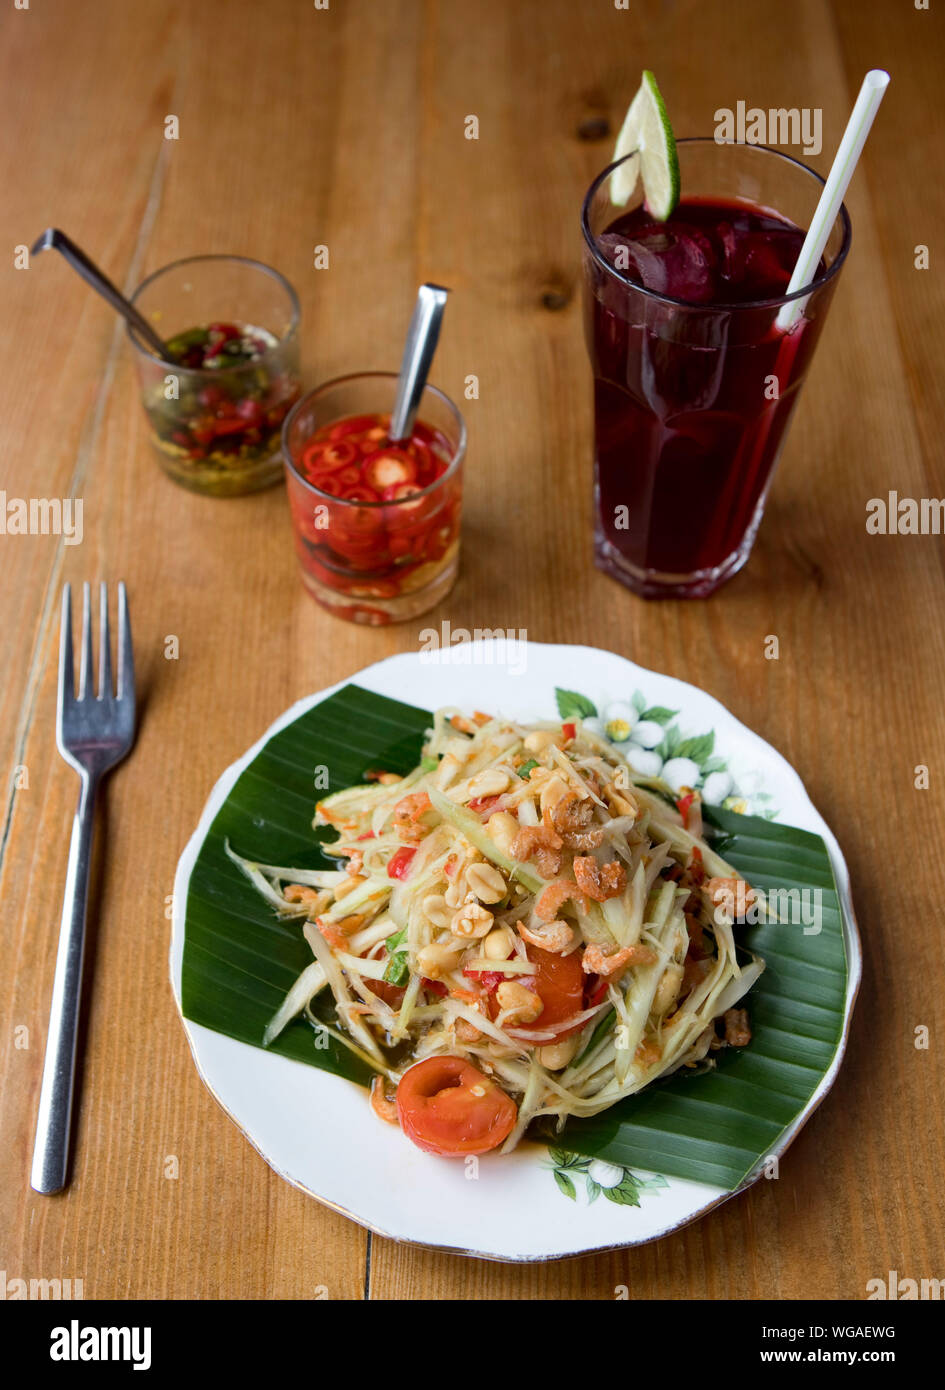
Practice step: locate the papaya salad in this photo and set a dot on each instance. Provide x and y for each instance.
(522, 928)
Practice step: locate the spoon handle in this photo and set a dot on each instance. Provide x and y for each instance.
(419, 348)
(54, 239)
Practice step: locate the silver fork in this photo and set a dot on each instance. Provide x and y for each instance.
(93, 733)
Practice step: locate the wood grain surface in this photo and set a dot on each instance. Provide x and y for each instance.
(344, 126)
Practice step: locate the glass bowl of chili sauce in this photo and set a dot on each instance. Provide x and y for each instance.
(216, 406)
(376, 524)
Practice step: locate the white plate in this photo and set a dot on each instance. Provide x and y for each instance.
(317, 1130)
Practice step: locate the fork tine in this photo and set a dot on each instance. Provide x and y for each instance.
(66, 663)
(104, 647)
(126, 660)
(85, 656)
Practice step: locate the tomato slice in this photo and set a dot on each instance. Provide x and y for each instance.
(398, 865)
(388, 468)
(559, 982)
(447, 1106)
(393, 995)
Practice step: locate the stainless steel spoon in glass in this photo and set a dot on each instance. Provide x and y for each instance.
(55, 240)
(422, 337)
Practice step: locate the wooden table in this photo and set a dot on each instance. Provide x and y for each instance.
(344, 126)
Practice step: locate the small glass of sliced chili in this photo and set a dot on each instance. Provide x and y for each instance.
(376, 524)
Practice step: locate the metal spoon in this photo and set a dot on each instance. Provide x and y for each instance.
(54, 239)
(422, 336)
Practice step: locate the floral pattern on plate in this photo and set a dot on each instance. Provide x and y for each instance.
(618, 1184)
(652, 742)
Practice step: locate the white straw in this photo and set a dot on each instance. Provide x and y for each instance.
(841, 172)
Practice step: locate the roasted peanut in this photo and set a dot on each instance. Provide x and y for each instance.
(538, 740)
(518, 1004)
(456, 892)
(502, 828)
(498, 944)
(486, 882)
(437, 910)
(490, 782)
(439, 959)
(472, 921)
(554, 1056)
(552, 792)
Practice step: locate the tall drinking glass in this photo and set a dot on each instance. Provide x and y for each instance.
(692, 400)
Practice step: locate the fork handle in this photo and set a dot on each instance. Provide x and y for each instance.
(51, 1150)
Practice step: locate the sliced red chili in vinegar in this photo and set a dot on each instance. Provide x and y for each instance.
(355, 424)
(388, 468)
(359, 493)
(312, 455)
(338, 454)
(399, 491)
(422, 456)
(328, 482)
(367, 549)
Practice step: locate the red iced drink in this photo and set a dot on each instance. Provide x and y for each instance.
(694, 383)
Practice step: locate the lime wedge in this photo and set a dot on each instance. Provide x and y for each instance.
(647, 136)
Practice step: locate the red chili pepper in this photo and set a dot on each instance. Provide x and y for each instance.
(399, 863)
(388, 468)
(358, 494)
(399, 492)
(489, 979)
(482, 803)
(228, 424)
(683, 805)
(369, 836)
(569, 730)
(203, 430)
(435, 987)
(338, 454)
(356, 424)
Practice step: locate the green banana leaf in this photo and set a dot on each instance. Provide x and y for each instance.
(713, 1126)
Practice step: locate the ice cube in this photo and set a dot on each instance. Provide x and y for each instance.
(638, 262)
(763, 261)
(676, 260)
